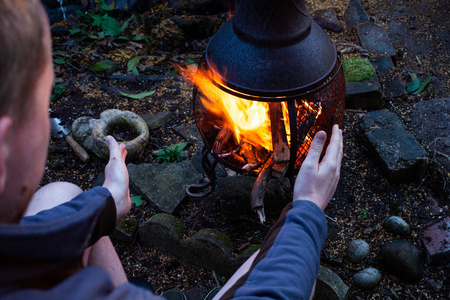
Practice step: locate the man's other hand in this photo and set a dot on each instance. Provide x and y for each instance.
(116, 176)
(316, 182)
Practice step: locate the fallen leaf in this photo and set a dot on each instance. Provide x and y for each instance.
(139, 95)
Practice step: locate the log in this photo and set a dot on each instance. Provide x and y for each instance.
(221, 139)
(281, 153)
(309, 117)
(259, 190)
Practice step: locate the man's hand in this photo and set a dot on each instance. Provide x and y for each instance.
(317, 182)
(116, 176)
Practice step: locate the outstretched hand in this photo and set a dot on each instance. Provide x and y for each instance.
(116, 176)
(316, 182)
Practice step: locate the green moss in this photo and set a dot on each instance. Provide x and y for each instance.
(170, 222)
(357, 69)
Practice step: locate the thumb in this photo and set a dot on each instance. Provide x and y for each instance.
(114, 150)
(315, 150)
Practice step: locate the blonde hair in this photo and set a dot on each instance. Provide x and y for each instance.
(22, 53)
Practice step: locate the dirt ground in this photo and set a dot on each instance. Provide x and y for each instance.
(364, 198)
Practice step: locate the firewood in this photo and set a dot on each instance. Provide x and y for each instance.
(259, 189)
(221, 139)
(281, 152)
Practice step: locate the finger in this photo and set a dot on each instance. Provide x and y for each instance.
(114, 150)
(316, 148)
(334, 148)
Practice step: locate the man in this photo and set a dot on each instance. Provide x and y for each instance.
(54, 244)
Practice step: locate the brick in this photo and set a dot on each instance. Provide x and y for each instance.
(436, 239)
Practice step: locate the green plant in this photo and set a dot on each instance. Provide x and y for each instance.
(416, 85)
(357, 69)
(137, 200)
(132, 65)
(58, 91)
(364, 213)
(172, 153)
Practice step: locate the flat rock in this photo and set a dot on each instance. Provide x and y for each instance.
(190, 133)
(330, 286)
(403, 259)
(355, 14)
(366, 94)
(163, 185)
(436, 239)
(327, 19)
(156, 120)
(392, 85)
(430, 122)
(374, 39)
(398, 153)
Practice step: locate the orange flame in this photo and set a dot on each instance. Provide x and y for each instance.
(249, 120)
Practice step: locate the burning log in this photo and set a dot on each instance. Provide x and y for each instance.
(308, 119)
(251, 166)
(281, 152)
(259, 190)
(221, 139)
(237, 149)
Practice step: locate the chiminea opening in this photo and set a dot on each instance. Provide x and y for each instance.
(270, 80)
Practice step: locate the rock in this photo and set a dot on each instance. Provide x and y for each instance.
(391, 82)
(125, 230)
(403, 259)
(374, 39)
(234, 193)
(430, 122)
(367, 278)
(189, 132)
(207, 248)
(330, 286)
(436, 239)
(327, 19)
(163, 185)
(355, 14)
(156, 120)
(91, 133)
(366, 94)
(399, 155)
(357, 251)
(396, 225)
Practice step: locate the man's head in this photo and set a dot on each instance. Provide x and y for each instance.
(26, 78)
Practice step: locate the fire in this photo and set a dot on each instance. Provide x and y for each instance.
(248, 120)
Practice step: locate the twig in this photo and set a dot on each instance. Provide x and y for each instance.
(215, 278)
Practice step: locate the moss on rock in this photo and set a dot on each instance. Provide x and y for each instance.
(357, 69)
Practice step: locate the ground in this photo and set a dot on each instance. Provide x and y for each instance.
(419, 33)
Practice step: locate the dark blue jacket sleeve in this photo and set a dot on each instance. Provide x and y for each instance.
(289, 257)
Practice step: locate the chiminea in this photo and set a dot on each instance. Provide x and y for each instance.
(270, 80)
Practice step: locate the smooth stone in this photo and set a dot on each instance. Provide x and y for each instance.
(396, 225)
(367, 278)
(163, 185)
(357, 251)
(156, 120)
(403, 259)
(330, 286)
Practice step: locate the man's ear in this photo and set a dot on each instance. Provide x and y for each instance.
(5, 127)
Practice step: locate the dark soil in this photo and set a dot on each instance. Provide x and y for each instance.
(364, 198)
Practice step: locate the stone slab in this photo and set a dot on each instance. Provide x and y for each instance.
(366, 94)
(156, 120)
(375, 39)
(398, 154)
(355, 14)
(430, 123)
(391, 82)
(163, 185)
(436, 239)
(330, 286)
(189, 133)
